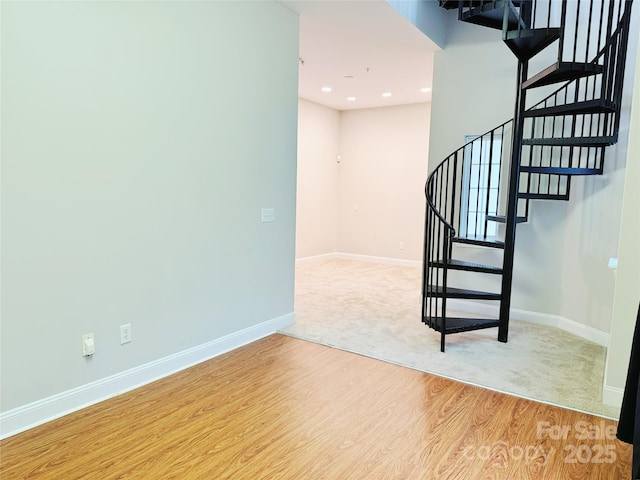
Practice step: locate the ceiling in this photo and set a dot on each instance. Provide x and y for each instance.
(361, 49)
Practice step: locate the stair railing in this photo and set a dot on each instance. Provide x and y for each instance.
(600, 27)
(591, 105)
(591, 24)
(464, 189)
(461, 192)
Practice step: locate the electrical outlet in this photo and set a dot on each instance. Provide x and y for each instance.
(125, 333)
(401, 245)
(88, 345)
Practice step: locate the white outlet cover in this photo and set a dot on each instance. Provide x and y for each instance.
(125, 334)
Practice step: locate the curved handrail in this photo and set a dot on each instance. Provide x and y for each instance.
(433, 175)
(434, 209)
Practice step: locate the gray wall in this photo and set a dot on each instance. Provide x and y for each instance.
(140, 141)
(427, 16)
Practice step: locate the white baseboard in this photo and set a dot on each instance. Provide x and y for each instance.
(612, 395)
(360, 258)
(385, 260)
(584, 331)
(36, 413)
(316, 258)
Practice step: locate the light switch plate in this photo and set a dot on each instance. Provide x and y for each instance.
(88, 345)
(268, 215)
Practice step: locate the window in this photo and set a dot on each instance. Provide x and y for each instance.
(480, 185)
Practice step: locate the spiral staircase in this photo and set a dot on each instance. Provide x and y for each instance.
(479, 193)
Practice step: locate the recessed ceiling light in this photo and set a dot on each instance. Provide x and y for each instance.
(326, 89)
(386, 94)
(351, 99)
(425, 90)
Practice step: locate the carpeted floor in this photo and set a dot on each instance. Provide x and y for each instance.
(374, 310)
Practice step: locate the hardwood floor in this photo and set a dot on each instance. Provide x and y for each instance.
(283, 408)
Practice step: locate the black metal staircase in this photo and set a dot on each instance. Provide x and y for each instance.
(483, 184)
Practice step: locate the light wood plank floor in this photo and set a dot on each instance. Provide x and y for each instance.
(283, 408)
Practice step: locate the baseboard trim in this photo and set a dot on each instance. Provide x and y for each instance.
(360, 258)
(384, 260)
(612, 395)
(316, 258)
(36, 413)
(584, 331)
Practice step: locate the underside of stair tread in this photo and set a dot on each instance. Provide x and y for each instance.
(589, 106)
(561, 170)
(503, 219)
(451, 4)
(485, 242)
(525, 44)
(490, 14)
(458, 324)
(467, 266)
(572, 141)
(437, 291)
(562, 72)
(543, 196)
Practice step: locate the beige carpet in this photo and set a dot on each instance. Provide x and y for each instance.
(374, 310)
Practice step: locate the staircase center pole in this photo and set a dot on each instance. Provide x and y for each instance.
(512, 203)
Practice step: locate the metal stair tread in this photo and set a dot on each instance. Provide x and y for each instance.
(560, 170)
(453, 292)
(503, 219)
(562, 72)
(525, 44)
(462, 324)
(479, 241)
(467, 266)
(602, 141)
(589, 106)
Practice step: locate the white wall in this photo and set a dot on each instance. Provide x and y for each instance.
(593, 224)
(381, 170)
(473, 86)
(384, 155)
(627, 281)
(317, 198)
(562, 253)
(139, 142)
